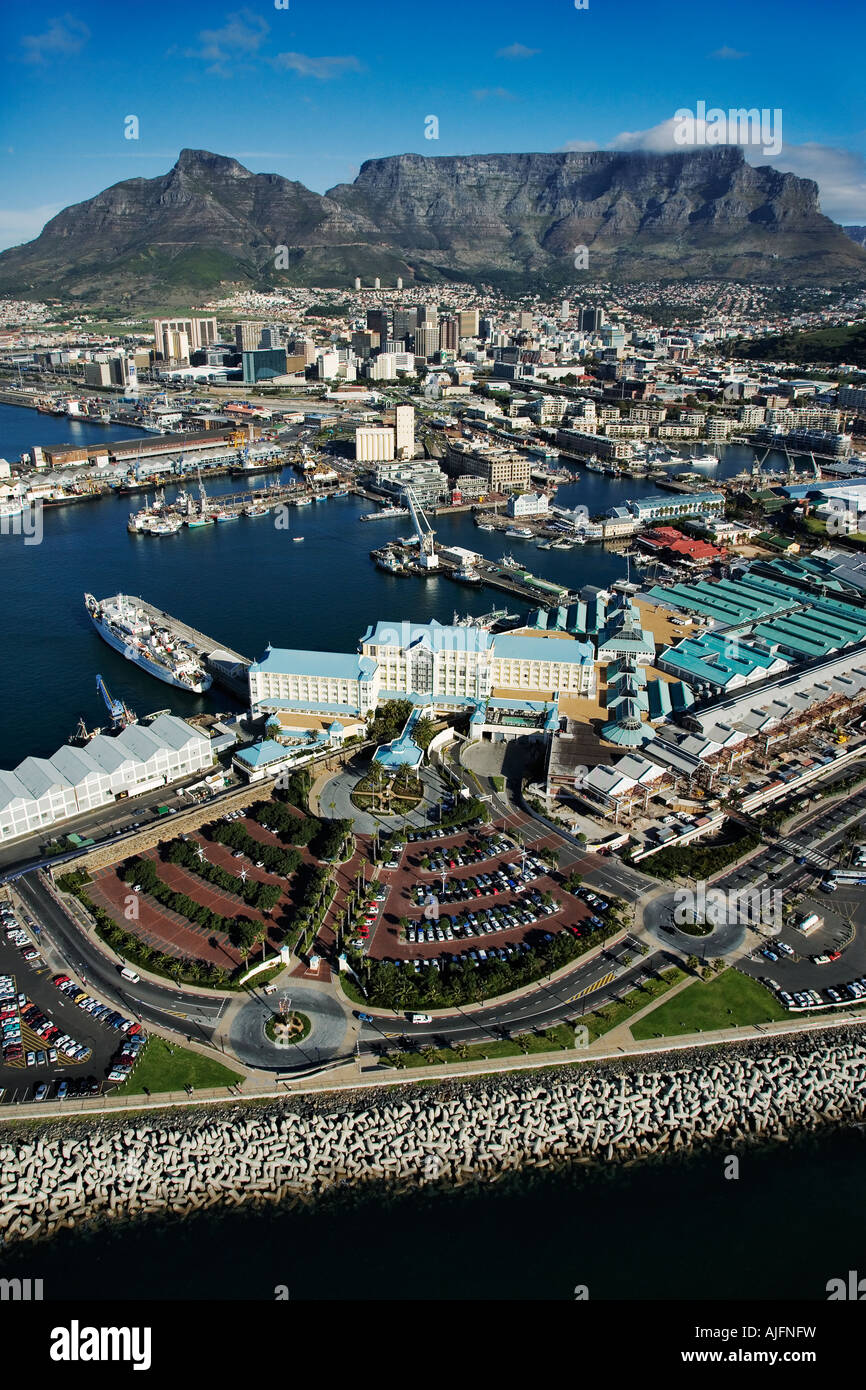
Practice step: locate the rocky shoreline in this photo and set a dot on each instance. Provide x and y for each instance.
(70, 1174)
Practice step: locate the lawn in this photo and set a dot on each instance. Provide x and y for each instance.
(166, 1067)
(560, 1036)
(729, 1000)
(611, 1015)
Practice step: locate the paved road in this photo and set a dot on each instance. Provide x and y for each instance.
(579, 991)
(166, 1005)
(335, 800)
(329, 1035)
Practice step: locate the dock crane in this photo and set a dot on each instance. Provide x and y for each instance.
(427, 557)
(121, 715)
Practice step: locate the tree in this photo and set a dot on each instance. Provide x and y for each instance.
(693, 963)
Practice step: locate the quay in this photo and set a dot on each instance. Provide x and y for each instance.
(228, 668)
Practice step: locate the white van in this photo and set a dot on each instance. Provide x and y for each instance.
(420, 1018)
(130, 975)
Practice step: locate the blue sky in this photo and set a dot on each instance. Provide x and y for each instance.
(312, 90)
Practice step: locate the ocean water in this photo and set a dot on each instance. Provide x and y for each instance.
(793, 1220)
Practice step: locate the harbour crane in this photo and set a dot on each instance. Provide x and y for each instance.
(120, 713)
(427, 557)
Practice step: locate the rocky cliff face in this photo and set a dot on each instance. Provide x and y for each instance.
(704, 212)
(210, 222)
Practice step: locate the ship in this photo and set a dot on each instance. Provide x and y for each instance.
(302, 501)
(508, 562)
(485, 526)
(467, 574)
(256, 509)
(521, 532)
(385, 512)
(128, 629)
(224, 516)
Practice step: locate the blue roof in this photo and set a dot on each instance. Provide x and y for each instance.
(297, 662)
(544, 649)
(258, 754)
(437, 636)
(306, 706)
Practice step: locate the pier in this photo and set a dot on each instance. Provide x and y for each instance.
(228, 668)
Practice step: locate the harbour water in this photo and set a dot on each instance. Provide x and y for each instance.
(245, 585)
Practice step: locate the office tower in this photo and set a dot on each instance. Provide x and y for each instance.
(525, 323)
(272, 336)
(468, 323)
(405, 322)
(198, 332)
(449, 333)
(485, 329)
(399, 282)
(428, 316)
(248, 335)
(426, 340)
(377, 322)
(564, 310)
(377, 284)
(364, 342)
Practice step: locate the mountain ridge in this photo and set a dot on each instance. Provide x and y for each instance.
(210, 223)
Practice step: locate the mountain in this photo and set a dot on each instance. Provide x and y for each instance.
(512, 219)
(857, 234)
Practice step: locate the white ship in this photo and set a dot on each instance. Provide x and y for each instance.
(127, 628)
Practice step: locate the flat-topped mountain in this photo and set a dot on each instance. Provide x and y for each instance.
(209, 224)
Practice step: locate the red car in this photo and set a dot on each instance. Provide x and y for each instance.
(61, 979)
(364, 931)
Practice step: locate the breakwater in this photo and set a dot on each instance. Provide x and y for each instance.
(70, 1176)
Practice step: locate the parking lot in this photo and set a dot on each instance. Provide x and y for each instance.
(51, 1048)
(468, 892)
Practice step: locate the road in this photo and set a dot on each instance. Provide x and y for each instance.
(166, 1006)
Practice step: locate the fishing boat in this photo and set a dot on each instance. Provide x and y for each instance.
(302, 501)
(467, 574)
(256, 509)
(227, 516)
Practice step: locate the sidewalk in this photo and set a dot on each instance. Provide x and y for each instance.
(349, 1079)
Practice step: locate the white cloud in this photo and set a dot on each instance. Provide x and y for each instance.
(517, 51)
(240, 38)
(23, 224)
(322, 68)
(500, 93)
(62, 39)
(728, 55)
(839, 173)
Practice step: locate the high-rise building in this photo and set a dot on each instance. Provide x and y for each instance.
(377, 322)
(591, 320)
(564, 310)
(449, 333)
(526, 323)
(426, 340)
(248, 336)
(199, 332)
(405, 322)
(272, 336)
(364, 342)
(428, 315)
(468, 323)
(485, 329)
(404, 424)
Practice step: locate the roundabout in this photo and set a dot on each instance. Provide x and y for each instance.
(704, 939)
(324, 1033)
